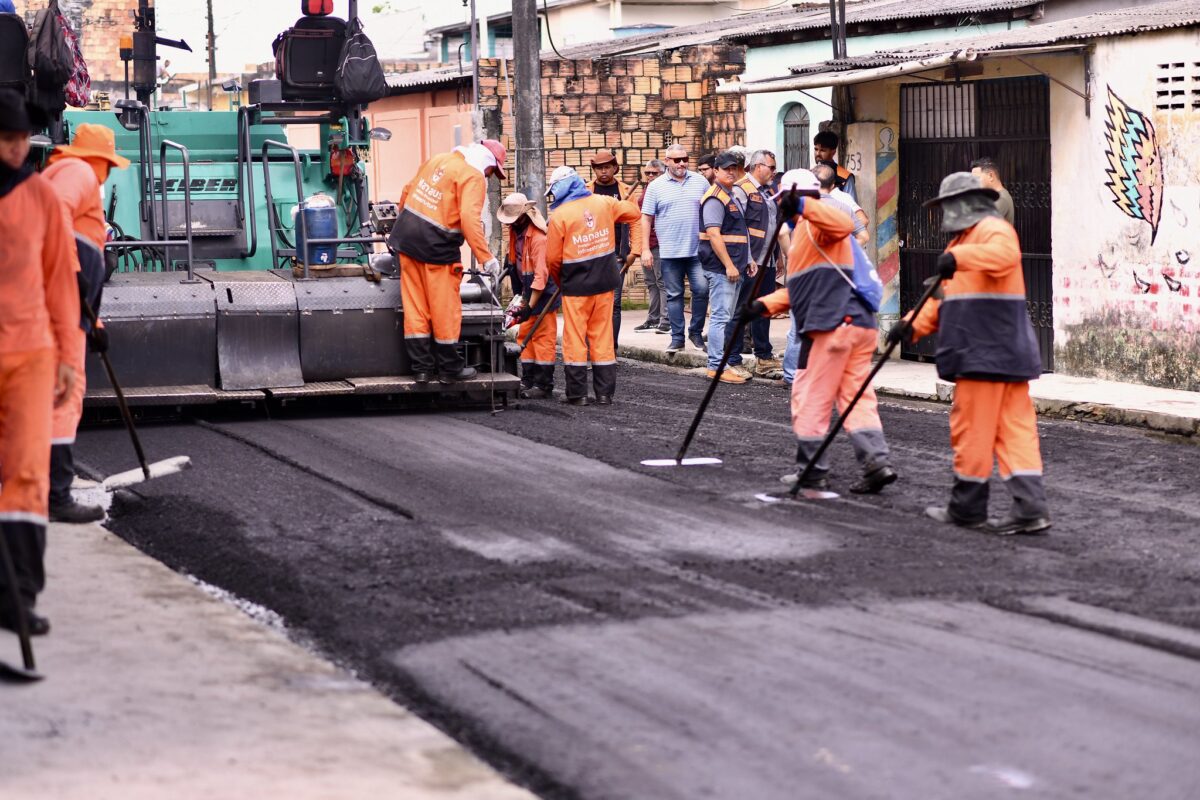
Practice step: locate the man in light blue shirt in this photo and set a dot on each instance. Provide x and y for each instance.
(672, 205)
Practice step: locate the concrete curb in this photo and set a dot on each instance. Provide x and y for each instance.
(1079, 411)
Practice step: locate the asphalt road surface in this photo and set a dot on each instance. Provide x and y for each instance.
(599, 629)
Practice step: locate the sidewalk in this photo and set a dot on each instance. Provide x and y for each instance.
(155, 689)
(1064, 396)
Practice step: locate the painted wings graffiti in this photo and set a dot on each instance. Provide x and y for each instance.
(1135, 170)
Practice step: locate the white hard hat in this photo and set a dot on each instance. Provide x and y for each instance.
(802, 180)
(560, 173)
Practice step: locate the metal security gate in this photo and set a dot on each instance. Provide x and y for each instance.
(943, 128)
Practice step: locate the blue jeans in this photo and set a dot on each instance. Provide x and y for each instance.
(722, 296)
(673, 270)
(791, 356)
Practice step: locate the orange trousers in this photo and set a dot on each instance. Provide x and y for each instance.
(838, 363)
(26, 405)
(537, 361)
(432, 311)
(588, 328)
(65, 418)
(990, 422)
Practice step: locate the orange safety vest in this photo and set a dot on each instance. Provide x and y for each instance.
(581, 244)
(440, 207)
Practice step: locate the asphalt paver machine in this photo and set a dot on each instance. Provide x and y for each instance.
(218, 293)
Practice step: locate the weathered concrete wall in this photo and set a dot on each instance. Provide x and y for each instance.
(1127, 214)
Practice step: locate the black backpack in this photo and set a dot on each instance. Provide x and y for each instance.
(49, 55)
(360, 77)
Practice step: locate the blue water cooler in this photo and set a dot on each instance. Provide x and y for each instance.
(322, 224)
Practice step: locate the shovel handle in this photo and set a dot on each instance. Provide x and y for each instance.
(537, 322)
(112, 379)
(730, 343)
(841, 419)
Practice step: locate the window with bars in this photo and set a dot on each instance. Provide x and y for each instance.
(796, 137)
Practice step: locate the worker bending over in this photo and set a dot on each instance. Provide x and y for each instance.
(527, 250)
(440, 207)
(838, 336)
(986, 345)
(77, 172)
(581, 254)
(39, 343)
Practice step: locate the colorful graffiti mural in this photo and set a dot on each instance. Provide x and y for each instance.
(887, 236)
(1135, 174)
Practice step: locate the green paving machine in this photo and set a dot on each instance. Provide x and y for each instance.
(221, 290)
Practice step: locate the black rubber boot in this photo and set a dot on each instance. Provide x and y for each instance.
(466, 373)
(873, 480)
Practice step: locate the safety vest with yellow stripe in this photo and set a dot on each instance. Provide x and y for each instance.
(734, 232)
(758, 219)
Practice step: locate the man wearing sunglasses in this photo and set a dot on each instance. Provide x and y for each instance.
(672, 205)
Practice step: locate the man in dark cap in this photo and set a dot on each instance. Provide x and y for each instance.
(605, 168)
(986, 345)
(39, 341)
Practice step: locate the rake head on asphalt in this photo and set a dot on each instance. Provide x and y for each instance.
(159, 469)
(700, 461)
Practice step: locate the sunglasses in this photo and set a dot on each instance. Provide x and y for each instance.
(651, 172)
(683, 160)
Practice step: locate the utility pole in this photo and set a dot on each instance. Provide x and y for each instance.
(212, 56)
(530, 172)
(841, 94)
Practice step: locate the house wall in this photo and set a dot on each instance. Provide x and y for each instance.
(1126, 269)
(764, 112)
(1127, 227)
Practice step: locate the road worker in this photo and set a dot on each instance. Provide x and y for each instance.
(39, 344)
(605, 168)
(440, 207)
(77, 172)
(527, 249)
(838, 333)
(987, 346)
(581, 254)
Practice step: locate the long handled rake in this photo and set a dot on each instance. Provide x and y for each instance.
(145, 471)
(798, 489)
(680, 459)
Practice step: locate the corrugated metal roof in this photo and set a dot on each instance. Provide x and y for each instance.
(741, 27)
(871, 11)
(428, 78)
(1160, 16)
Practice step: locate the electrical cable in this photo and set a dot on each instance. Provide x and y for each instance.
(549, 35)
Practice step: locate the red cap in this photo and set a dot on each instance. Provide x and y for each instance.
(501, 154)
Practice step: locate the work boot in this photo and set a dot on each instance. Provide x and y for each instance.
(75, 513)
(577, 401)
(38, 625)
(422, 377)
(604, 399)
(535, 393)
(741, 371)
(464, 374)
(728, 376)
(1009, 525)
(944, 515)
(766, 367)
(873, 481)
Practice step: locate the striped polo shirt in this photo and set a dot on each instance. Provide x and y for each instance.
(675, 206)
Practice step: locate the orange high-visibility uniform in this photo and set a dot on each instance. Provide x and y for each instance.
(78, 187)
(537, 360)
(842, 334)
(440, 207)
(39, 316)
(581, 254)
(986, 344)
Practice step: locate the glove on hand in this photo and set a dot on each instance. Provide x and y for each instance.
(492, 267)
(790, 205)
(97, 339)
(946, 265)
(523, 313)
(902, 331)
(754, 309)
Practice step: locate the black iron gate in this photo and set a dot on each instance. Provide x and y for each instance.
(943, 128)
